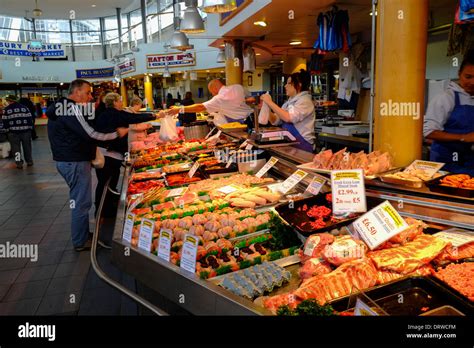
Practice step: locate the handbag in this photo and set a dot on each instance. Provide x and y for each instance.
(99, 161)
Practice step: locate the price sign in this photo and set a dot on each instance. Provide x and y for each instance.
(316, 185)
(209, 134)
(456, 236)
(189, 254)
(136, 200)
(229, 189)
(249, 147)
(292, 181)
(271, 162)
(363, 309)
(244, 144)
(146, 234)
(177, 192)
(430, 168)
(193, 169)
(128, 227)
(379, 225)
(348, 191)
(164, 244)
(230, 159)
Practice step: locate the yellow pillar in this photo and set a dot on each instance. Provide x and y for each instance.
(148, 91)
(123, 93)
(234, 63)
(400, 78)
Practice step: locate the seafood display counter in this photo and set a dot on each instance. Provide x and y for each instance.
(263, 277)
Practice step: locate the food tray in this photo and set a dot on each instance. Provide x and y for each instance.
(434, 185)
(395, 181)
(223, 170)
(442, 283)
(243, 128)
(294, 217)
(419, 295)
(310, 166)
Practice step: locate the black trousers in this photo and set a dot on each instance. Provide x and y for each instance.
(18, 141)
(111, 170)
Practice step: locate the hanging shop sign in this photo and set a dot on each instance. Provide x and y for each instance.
(28, 49)
(94, 73)
(155, 61)
(34, 78)
(126, 67)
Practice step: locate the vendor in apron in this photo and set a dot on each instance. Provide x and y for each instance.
(228, 104)
(449, 122)
(297, 114)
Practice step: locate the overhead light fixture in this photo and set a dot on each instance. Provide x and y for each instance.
(192, 21)
(282, 61)
(93, 5)
(371, 13)
(180, 41)
(37, 12)
(295, 43)
(258, 54)
(208, 70)
(260, 23)
(221, 57)
(219, 6)
(166, 73)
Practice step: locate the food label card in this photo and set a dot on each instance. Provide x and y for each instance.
(348, 191)
(430, 168)
(379, 225)
(146, 234)
(292, 181)
(189, 253)
(456, 236)
(316, 185)
(271, 162)
(229, 189)
(363, 309)
(164, 245)
(193, 169)
(128, 227)
(177, 192)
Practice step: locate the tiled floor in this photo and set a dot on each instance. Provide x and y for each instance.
(34, 209)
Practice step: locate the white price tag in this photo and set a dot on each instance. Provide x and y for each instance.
(456, 236)
(209, 134)
(229, 189)
(430, 168)
(128, 227)
(244, 144)
(193, 169)
(164, 245)
(292, 181)
(249, 147)
(316, 184)
(136, 199)
(364, 310)
(379, 225)
(177, 192)
(271, 162)
(146, 234)
(189, 253)
(230, 159)
(348, 191)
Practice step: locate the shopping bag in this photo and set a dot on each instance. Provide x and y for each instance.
(99, 161)
(264, 114)
(168, 131)
(218, 119)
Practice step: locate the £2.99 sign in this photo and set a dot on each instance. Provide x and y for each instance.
(348, 191)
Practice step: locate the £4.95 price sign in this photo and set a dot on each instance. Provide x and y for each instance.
(348, 191)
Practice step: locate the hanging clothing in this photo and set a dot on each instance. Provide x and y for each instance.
(452, 112)
(350, 78)
(250, 60)
(467, 5)
(315, 63)
(333, 31)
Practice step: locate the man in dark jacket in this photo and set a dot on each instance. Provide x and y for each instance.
(73, 143)
(114, 117)
(29, 104)
(18, 121)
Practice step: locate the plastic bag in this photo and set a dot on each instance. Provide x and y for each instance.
(99, 160)
(168, 131)
(219, 119)
(264, 114)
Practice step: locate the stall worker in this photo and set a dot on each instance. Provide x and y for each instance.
(228, 102)
(449, 122)
(297, 114)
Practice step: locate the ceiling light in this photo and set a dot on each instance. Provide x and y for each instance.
(221, 57)
(93, 5)
(294, 43)
(219, 6)
(166, 73)
(37, 12)
(222, 45)
(258, 54)
(371, 13)
(260, 23)
(282, 61)
(192, 21)
(180, 41)
(208, 70)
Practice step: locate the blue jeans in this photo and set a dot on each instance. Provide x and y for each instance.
(78, 177)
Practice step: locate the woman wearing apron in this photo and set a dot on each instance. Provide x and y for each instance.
(449, 122)
(297, 114)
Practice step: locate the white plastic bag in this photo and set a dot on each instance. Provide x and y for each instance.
(219, 119)
(264, 114)
(168, 130)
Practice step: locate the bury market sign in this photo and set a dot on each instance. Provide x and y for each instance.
(154, 61)
(125, 67)
(94, 73)
(28, 49)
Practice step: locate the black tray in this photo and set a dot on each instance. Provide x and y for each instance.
(294, 217)
(434, 185)
(442, 283)
(418, 292)
(232, 169)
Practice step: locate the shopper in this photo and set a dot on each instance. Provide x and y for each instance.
(228, 103)
(114, 117)
(99, 106)
(18, 121)
(297, 114)
(187, 117)
(449, 122)
(73, 143)
(137, 132)
(29, 104)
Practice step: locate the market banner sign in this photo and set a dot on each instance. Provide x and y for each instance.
(27, 49)
(155, 61)
(94, 73)
(126, 67)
